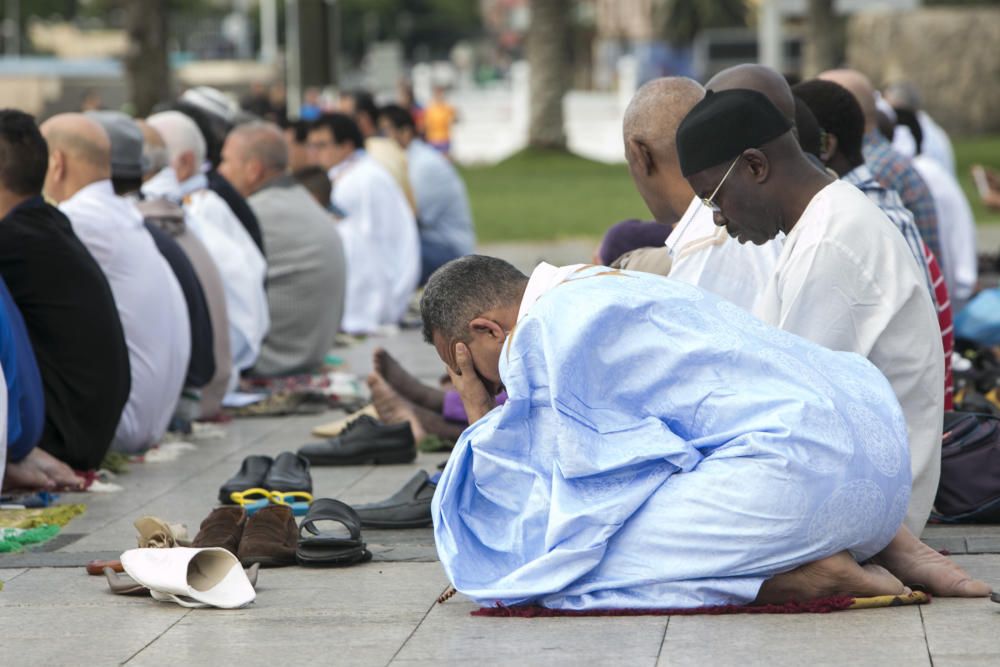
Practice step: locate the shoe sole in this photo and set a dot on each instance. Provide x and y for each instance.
(406, 457)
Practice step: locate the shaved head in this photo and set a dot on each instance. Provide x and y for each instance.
(80, 138)
(761, 78)
(650, 134)
(658, 108)
(79, 154)
(861, 87)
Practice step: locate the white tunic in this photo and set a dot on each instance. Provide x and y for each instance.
(847, 280)
(705, 255)
(956, 228)
(238, 259)
(380, 241)
(150, 304)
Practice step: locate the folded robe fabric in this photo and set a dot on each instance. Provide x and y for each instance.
(662, 448)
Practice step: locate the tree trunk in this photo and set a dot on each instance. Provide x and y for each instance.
(824, 38)
(548, 56)
(146, 63)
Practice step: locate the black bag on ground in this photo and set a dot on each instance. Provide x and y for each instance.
(969, 491)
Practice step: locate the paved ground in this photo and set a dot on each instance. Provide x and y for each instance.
(384, 612)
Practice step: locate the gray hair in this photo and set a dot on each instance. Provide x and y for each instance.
(465, 288)
(180, 134)
(265, 142)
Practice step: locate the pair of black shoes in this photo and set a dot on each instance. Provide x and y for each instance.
(364, 440)
(287, 472)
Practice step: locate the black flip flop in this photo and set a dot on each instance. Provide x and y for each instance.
(319, 547)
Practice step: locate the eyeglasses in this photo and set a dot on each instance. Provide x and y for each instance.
(709, 201)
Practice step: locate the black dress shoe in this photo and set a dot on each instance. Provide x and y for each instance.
(252, 472)
(410, 507)
(364, 440)
(289, 472)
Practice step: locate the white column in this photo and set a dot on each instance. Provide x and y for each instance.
(269, 31)
(769, 39)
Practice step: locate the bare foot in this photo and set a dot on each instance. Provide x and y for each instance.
(916, 563)
(837, 575)
(393, 408)
(405, 384)
(23, 476)
(59, 472)
(434, 424)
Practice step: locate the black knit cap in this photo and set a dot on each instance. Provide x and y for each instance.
(723, 125)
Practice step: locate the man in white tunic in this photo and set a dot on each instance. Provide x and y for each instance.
(378, 229)
(240, 262)
(845, 278)
(150, 302)
(701, 253)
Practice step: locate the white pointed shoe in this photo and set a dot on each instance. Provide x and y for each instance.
(208, 577)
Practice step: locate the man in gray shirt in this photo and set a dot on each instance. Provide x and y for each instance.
(306, 266)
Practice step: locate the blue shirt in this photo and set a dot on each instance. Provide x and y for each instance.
(442, 202)
(25, 401)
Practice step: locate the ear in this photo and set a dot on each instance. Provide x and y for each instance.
(757, 163)
(829, 147)
(642, 154)
(57, 164)
(482, 326)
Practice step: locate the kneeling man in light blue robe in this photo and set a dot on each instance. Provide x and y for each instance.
(659, 448)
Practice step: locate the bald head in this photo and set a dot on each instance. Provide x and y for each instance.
(80, 154)
(761, 78)
(81, 138)
(650, 132)
(861, 87)
(658, 108)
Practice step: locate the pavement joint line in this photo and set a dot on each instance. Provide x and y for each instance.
(23, 571)
(927, 643)
(663, 640)
(154, 639)
(417, 626)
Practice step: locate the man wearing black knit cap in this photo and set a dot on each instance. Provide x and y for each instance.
(845, 279)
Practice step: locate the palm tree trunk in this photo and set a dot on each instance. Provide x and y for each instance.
(548, 56)
(146, 66)
(824, 38)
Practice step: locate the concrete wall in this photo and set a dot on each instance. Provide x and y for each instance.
(951, 54)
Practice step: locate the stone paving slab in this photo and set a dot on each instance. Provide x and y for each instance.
(384, 612)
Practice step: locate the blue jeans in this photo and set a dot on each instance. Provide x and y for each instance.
(434, 255)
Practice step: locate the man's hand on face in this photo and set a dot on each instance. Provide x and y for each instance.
(475, 396)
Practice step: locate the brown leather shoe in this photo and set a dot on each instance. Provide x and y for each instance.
(270, 537)
(224, 528)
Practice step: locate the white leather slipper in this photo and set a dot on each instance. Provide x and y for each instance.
(191, 577)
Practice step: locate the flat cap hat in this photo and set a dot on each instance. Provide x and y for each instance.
(723, 125)
(126, 142)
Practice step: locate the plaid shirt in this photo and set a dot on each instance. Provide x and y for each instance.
(895, 172)
(890, 203)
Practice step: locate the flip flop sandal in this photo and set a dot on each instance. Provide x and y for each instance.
(122, 584)
(328, 545)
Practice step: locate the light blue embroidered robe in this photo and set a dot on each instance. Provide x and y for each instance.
(660, 447)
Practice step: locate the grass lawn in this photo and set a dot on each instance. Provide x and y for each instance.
(977, 150)
(541, 195)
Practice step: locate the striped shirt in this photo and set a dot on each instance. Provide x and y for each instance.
(896, 172)
(891, 204)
